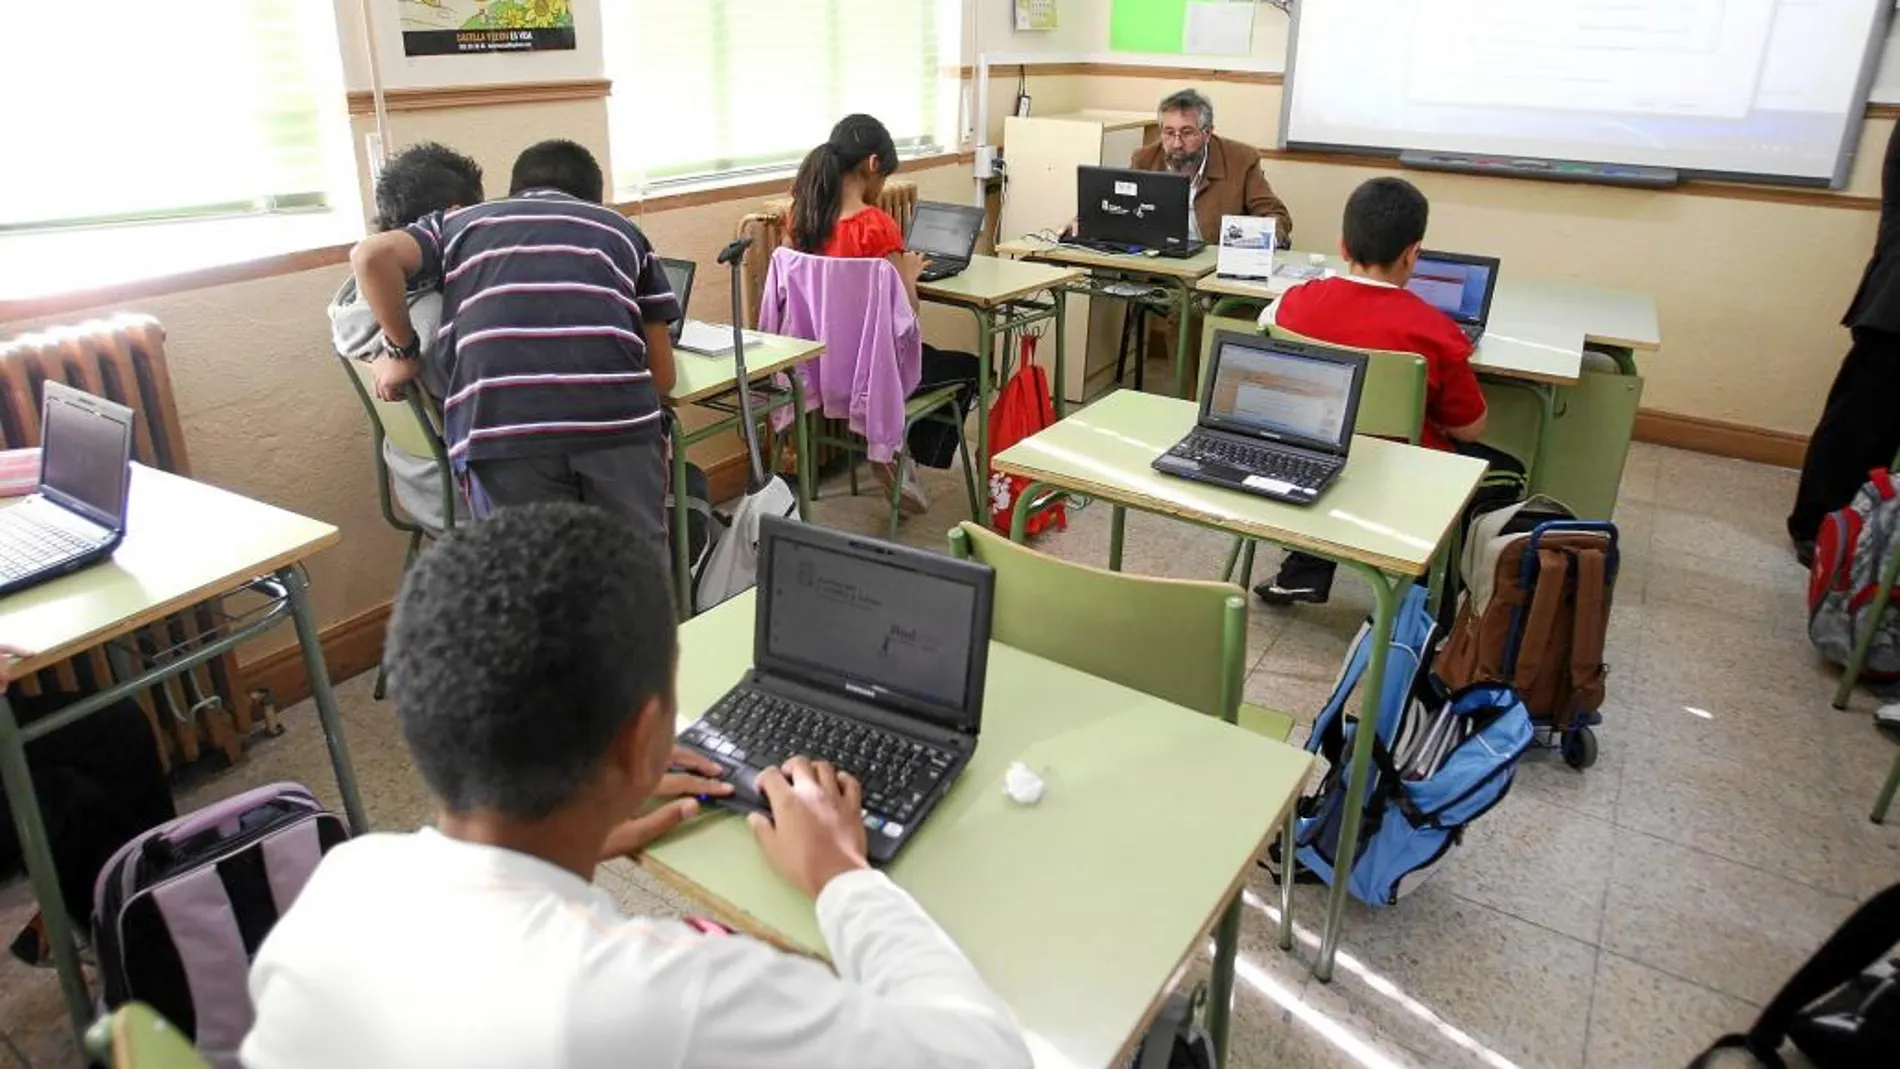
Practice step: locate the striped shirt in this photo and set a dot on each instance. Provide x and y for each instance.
(544, 302)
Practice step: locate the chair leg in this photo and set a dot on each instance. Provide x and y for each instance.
(1246, 565)
(1882, 803)
(1233, 558)
(408, 559)
(1883, 592)
(897, 491)
(1289, 867)
(971, 479)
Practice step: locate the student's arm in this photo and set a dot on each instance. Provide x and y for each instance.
(659, 308)
(1454, 402)
(909, 265)
(382, 264)
(660, 357)
(1261, 200)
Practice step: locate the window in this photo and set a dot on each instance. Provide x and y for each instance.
(735, 86)
(129, 110)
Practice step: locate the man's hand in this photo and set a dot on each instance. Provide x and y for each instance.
(392, 375)
(816, 830)
(692, 776)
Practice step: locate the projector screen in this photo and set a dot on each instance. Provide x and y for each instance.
(1768, 90)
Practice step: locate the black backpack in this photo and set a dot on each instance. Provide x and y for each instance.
(1842, 1009)
(1175, 1041)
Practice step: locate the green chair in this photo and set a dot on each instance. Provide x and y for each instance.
(1183, 641)
(408, 425)
(134, 1036)
(1877, 610)
(937, 406)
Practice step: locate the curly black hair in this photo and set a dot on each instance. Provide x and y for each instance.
(1384, 217)
(559, 164)
(424, 178)
(519, 647)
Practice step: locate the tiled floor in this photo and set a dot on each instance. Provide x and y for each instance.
(1620, 917)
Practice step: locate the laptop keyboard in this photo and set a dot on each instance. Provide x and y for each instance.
(936, 267)
(1473, 331)
(763, 731)
(28, 546)
(1297, 468)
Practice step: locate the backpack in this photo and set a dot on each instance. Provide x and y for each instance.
(1174, 1041)
(1849, 550)
(1438, 765)
(180, 911)
(1842, 1009)
(705, 526)
(1536, 605)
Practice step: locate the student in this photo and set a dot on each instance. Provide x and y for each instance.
(1227, 178)
(1370, 308)
(420, 179)
(554, 340)
(532, 661)
(835, 213)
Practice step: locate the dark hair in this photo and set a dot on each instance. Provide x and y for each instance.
(559, 164)
(519, 646)
(1384, 217)
(820, 179)
(425, 178)
(1189, 100)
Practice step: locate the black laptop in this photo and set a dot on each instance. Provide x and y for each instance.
(706, 339)
(77, 517)
(1276, 418)
(1120, 210)
(946, 236)
(868, 655)
(1459, 285)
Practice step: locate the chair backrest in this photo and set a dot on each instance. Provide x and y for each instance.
(767, 227)
(135, 1037)
(407, 424)
(1392, 405)
(1180, 640)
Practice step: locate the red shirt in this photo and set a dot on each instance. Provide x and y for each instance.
(871, 234)
(1369, 315)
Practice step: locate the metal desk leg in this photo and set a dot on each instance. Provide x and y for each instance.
(1062, 352)
(1220, 981)
(1117, 525)
(1183, 311)
(325, 700)
(986, 350)
(1546, 426)
(1385, 609)
(38, 853)
(682, 566)
(801, 450)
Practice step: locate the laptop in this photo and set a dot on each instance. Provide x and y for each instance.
(946, 236)
(77, 516)
(1276, 418)
(1120, 210)
(1458, 285)
(707, 339)
(866, 654)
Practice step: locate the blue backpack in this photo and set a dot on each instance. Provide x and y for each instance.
(1438, 764)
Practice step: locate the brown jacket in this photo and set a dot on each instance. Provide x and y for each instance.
(1235, 186)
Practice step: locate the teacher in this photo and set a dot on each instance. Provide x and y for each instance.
(1859, 429)
(1226, 175)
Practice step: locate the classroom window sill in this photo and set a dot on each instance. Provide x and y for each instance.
(49, 273)
(742, 185)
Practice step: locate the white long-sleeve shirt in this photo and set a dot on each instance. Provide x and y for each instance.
(421, 950)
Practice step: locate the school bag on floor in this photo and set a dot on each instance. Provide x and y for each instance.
(1023, 408)
(180, 911)
(1533, 616)
(1176, 1040)
(1849, 550)
(1437, 765)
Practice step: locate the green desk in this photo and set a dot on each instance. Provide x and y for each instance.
(1580, 420)
(1384, 518)
(1177, 278)
(185, 544)
(993, 290)
(707, 381)
(1079, 910)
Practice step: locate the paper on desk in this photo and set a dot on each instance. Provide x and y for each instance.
(1218, 28)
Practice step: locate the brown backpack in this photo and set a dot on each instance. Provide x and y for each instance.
(1538, 629)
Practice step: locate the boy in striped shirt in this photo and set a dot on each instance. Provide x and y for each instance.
(553, 337)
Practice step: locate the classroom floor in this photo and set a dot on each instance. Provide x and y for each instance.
(1620, 917)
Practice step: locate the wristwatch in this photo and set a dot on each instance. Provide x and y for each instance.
(411, 351)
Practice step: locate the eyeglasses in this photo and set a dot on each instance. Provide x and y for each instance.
(1183, 134)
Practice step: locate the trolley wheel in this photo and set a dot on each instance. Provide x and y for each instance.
(1580, 748)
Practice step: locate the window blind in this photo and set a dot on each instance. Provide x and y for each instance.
(730, 86)
(127, 110)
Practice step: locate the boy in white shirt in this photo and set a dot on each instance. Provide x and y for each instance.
(531, 661)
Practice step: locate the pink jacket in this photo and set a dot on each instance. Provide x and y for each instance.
(874, 349)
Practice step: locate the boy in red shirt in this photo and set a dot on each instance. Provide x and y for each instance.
(1370, 308)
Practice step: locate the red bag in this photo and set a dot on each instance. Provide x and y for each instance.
(1024, 407)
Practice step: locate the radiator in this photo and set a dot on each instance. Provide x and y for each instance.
(123, 358)
(767, 227)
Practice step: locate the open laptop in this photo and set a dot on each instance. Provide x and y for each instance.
(1133, 211)
(1276, 418)
(77, 517)
(1458, 285)
(707, 339)
(866, 654)
(946, 236)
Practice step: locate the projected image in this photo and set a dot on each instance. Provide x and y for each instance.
(1285, 394)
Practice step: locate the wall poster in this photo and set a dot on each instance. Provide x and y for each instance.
(455, 27)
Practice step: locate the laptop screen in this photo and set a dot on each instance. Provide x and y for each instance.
(944, 230)
(1461, 289)
(1284, 391)
(85, 449)
(679, 278)
(884, 623)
